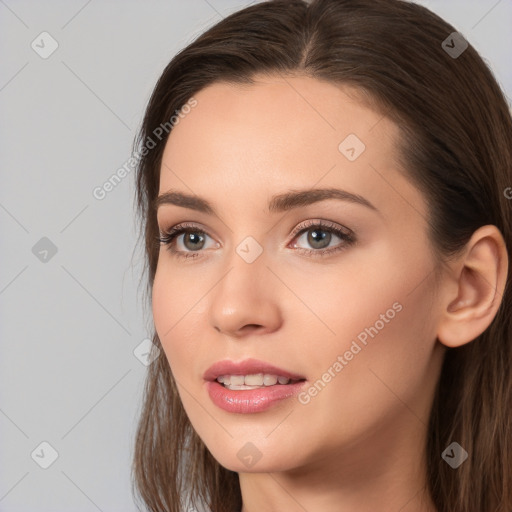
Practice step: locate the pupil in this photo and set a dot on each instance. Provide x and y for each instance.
(194, 238)
(316, 239)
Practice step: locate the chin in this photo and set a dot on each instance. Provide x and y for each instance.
(248, 459)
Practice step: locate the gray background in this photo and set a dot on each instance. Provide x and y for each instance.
(71, 321)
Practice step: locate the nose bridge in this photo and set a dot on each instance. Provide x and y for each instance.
(246, 294)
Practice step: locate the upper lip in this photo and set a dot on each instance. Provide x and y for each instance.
(246, 367)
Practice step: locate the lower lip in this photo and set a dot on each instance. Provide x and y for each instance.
(249, 401)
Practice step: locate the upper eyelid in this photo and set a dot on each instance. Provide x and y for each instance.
(301, 227)
(326, 224)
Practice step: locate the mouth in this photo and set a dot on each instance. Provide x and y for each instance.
(250, 386)
(254, 381)
(249, 372)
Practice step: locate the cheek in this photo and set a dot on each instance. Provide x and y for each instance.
(377, 337)
(381, 357)
(333, 304)
(177, 309)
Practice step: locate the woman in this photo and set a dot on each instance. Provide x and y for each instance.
(322, 190)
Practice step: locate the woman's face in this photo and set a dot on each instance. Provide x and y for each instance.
(349, 307)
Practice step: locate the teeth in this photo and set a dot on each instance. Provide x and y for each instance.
(237, 380)
(270, 380)
(253, 381)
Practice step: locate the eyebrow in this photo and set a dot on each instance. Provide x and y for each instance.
(278, 203)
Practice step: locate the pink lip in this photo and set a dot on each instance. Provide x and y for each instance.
(246, 367)
(249, 400)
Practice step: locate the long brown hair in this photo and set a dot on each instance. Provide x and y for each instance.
(456, 144)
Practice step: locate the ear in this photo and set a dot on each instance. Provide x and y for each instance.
(474, 293)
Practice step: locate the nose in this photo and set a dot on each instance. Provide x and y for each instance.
(246, 300)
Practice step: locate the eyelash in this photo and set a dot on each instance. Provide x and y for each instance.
(348, 238)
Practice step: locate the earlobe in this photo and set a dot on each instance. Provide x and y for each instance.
(480, 275)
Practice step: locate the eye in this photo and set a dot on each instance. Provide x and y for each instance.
(319, 235)
(193, 240)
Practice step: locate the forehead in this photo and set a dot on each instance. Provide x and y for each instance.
(287, 114)
(280, 133)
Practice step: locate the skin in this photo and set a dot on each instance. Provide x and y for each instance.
(359, 443)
